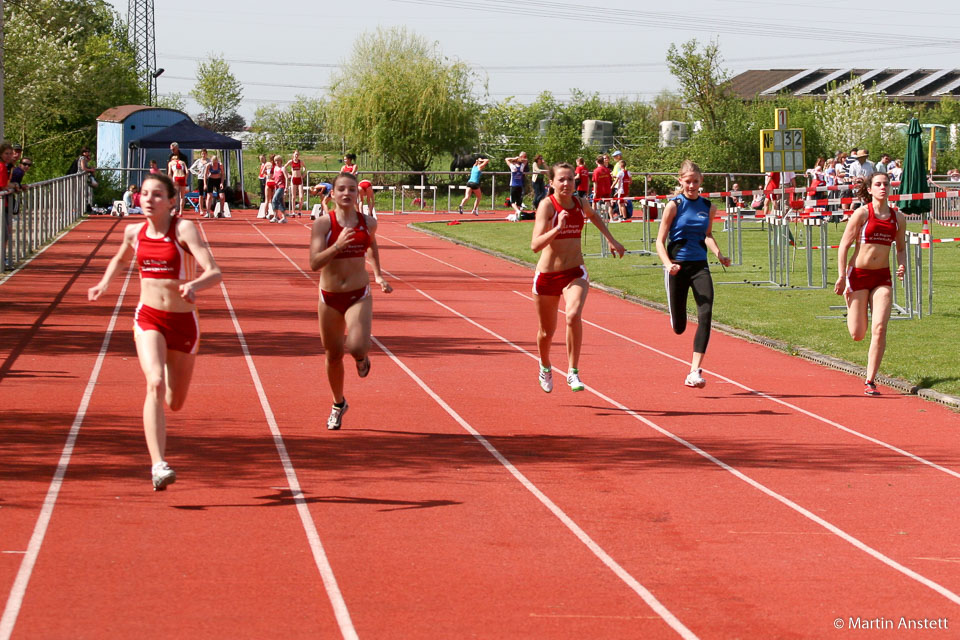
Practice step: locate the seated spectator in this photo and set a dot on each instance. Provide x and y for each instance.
(735, 202)
(953, 175)
(131, 200)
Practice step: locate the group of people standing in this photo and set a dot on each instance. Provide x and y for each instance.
(167, 250)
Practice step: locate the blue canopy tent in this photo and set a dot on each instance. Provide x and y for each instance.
(191, 136)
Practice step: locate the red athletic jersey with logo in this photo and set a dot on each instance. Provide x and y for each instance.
(602, 180)
(357, 247)
(877, 231)
(163, 257)
(574, 225)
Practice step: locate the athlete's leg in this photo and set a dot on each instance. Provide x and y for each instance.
(574, 297)
(359, 321)
(702, 285)
(152, 354)
(881, 300)
(857, 302)
(332, 326)
(547, 315)
(677, 287)
(179, 372)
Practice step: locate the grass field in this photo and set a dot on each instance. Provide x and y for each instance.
(921, 351)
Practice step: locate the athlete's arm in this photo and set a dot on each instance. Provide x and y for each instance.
(669, 213)
(598, 222)
(901, 244)
(187, 235)
(483, 163)
(320, 253)
(850, 233)
(543, 234)
(711, 242)
(374, 253)
(123, 255)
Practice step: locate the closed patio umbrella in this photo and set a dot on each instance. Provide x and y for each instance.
(914, 178)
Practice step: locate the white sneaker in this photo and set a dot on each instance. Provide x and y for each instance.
(336, 416)
(695, 379)
(163, 475)
(573, 379)
(546, 379)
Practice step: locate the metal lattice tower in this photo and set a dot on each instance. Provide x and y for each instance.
(142, 36)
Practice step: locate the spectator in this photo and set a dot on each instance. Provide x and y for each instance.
(280, 183)
(17, 152)
(517, 166)
(6, 157)
(954, 175)
(895, 170)
(582, 178)
(539, 180)
(602, 185)
(199, 171)
(154, 169)
(177, 171)
(131, 200)
(175, 151)
(85, 166)
(615, 169)
(850, 159)
(18, 173)
(884, 165)
(735, 202)
(621, 190)
(263, 178)
(861, 167)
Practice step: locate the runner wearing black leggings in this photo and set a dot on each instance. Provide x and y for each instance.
(682, 242)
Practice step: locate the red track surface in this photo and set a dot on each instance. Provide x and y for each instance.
(610, 524)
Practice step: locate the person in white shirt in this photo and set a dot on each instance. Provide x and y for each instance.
(862, 168)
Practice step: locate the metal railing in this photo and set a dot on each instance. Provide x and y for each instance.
(35, 215)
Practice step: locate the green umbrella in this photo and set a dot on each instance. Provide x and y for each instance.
(914, 178)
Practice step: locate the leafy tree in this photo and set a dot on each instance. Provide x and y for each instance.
(702, 80)
(398, 97)
(73, 62)
(858, 119)
(297, 126)
(219, 94)
(172, 101)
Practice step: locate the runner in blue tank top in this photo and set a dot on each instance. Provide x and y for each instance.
(473, 185)
(682, 242)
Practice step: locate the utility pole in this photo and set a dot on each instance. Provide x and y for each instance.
(140, 30)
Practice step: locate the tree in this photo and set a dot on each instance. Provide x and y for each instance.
(73, 62)
(703, 81)
(172, 101)
(219, 94)
(398, 97)
(858, 119)
(299, 126)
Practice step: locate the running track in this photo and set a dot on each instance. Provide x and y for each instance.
(459, 500)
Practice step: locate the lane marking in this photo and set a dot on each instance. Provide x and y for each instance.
(598, 551)
(313, 537)
(581, 535)
(19, 588)
(425, 255)
(890, 562)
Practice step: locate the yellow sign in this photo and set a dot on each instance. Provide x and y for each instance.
(782, 149)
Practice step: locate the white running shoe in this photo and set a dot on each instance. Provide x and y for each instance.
(573, 379)
(163, 475)
(546, 379)
(336, 416)
(695, 379)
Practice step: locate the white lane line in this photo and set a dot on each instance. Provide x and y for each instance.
(890, 562)
(313, 537)
(784, 403)
(19, 588)
(425, 255)
(598, 551)
(581, 535)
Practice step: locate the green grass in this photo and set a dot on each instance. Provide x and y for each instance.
(921, 351)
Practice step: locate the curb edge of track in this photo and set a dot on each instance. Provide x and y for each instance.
(904, 386)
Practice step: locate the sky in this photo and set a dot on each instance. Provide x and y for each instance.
(520, 48)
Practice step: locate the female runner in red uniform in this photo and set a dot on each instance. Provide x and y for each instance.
(296, 183)
(871, 230)
(560, 270)
(177, 170)
(364, 187)
(338, 246)
(165, 328)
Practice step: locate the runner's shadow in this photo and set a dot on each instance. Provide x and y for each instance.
(284, 498)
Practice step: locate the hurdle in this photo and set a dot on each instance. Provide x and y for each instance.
(422, 189)
(450, 189)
